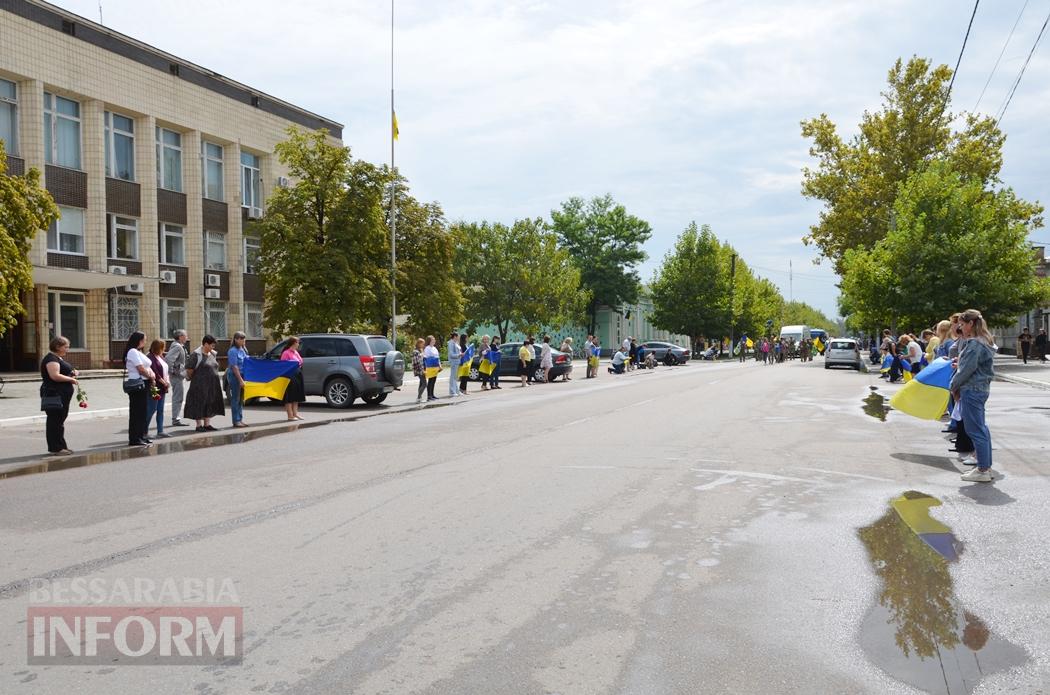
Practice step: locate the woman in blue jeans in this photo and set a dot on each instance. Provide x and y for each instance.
(970, 386)
(235, 359)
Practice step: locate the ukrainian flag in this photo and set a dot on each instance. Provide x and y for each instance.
(819, 344)
(432, 366)
(750, 343)
(594, 357)
(913, 508)
(926, 396)
(465, 361)
(267, 378)
(489, 361)
(887, 363)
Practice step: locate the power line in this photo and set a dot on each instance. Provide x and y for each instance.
(996, 66)
(961, 51)
(1013, 89)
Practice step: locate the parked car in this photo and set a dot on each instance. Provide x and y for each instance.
(668, 353)
(344, 367)
(842, 351)
(508, 365)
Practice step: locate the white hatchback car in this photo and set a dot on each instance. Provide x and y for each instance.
(842, 351)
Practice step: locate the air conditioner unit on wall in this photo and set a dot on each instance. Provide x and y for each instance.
(167, 277)
(282, 182)
(118, 270)
(214, 280)
(136, 288)
(211, 293)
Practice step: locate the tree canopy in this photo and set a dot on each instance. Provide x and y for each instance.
(858, 179)
(605, 242)
(25, 208)
(517, 277)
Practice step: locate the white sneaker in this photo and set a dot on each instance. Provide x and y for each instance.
(978, 476)
(968, 459)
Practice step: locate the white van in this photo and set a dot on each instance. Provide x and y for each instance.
(799, 333)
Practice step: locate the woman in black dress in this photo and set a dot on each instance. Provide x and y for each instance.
(59, 378)
(295, 393)
(204, 397)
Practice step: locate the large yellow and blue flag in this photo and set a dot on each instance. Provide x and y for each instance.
(926, 395)
(432, 365)
(887, 363)
(818, 344)
(465, 361)
(489, 361)
(267, 378)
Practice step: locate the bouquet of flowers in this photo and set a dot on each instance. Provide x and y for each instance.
(154, 392)
(81, 397)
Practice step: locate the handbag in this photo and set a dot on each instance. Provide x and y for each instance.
(49, 400)
(133, 385)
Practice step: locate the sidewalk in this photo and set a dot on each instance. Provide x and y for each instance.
(1035, 374)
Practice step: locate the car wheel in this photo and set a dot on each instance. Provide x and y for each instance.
(537, 376)
(475, 374)
(339, 392)
(374, 398)
(827, 366)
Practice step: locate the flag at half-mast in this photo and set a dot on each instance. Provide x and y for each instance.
(267, 378)
(393, 124)
(465, 361)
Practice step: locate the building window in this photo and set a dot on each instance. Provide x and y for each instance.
(251, 184)
(66, 234)
(9, 116)
(123, 316)
(172, 317)
(251, 254)
(253, 320)
(66, 316)
(215, 318)
(172, 244)
(61, 131)
(120, 146)
(211, 173)
(122, 242)
(169, 160)
(214, 250)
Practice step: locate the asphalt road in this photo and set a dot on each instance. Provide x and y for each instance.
(689, 530)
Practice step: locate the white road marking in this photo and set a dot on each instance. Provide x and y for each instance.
(763, 476)
(713, 461)
(848, 475)
(591, 468)
(724, 480)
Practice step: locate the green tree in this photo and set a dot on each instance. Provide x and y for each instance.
(517, 277)
(955, 245)
(321, 258)
(605, 243)
(428, 290)
(858, 179)
(25, 208)
(800, 313)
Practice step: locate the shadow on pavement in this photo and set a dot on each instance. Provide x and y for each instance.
(925, 460)
(988, 495)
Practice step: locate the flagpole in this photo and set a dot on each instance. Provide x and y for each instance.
(393, 194)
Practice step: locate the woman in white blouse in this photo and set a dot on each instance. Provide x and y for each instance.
(137, 385)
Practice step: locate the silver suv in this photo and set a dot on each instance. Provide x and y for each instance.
(343, 367)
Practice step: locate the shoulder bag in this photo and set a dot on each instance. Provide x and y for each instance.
(49, 400)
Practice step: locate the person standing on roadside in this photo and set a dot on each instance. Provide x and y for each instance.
(463, 379)
(295, 392)
(588, 351)
(235, 359)
(155, 406)
(546, 360)
(524, 363)
(417, 368)
(454, 353)
(971, 385)
(495, 356)
(137, 386)
(533, 360)
(176, 359)
(566, 347)
(1024, 344)
(1040, 345)
(204, 396)
(58, 378)
(431, 352)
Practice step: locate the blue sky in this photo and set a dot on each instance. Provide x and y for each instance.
(681, 110)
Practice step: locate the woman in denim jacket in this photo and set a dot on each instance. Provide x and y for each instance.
(970, 385)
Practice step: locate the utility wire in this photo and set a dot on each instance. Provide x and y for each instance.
(996, 66)
(961, 51)
(1013, 89)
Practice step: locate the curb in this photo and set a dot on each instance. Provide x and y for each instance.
(1024, 382)
(73, 416)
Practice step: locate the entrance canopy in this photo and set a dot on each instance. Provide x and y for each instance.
(83, 279)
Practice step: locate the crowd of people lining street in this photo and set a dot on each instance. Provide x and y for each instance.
(776, 350)
(964, 339)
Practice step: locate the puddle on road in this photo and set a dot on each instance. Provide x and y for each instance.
(875, 405)
(918, 632)
(181, 444)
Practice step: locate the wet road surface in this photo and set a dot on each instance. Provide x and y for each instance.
(713, 528)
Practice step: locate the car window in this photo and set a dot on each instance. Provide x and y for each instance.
(345, 347)
(320, 347)
(379, 345)
(275, 352)
(842, 345)
(511, 350)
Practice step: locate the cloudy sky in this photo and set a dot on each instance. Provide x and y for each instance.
(681, 110)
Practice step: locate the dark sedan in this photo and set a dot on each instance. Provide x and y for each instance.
(668, 353)
(508, 365)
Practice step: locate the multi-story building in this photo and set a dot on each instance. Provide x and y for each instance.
(155, 164)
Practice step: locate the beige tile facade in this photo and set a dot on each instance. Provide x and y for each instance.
(39, 59)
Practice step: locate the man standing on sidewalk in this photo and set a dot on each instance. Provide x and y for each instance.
(176, 359)
(454, 353)
(1040, 345)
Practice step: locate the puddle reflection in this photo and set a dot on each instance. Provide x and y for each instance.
(918, 632)
(875, 405)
